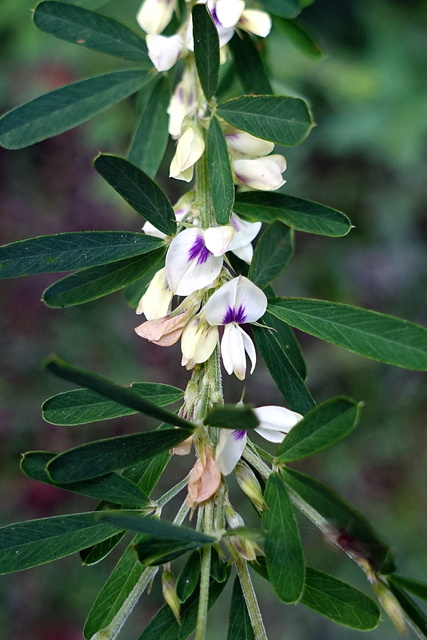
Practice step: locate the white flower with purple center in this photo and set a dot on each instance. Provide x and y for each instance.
(190, 265)
(274, 424)
(238, 302)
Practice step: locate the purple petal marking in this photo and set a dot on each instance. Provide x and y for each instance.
(199, 251)
(234, 315)
(215, 17)
(239, 434)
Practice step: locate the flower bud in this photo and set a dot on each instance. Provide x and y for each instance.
(249, 484)
(182, 103)
(154, 15)
(156, 301)
(189, 149)
(164, 51)
(257, 22)
(169, 593)
(390, 606)
(264, 174)
(198, 342)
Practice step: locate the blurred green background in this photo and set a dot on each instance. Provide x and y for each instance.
(367, 157)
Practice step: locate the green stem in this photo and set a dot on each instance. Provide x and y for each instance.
(164, 499)
(206, 211)
(202, 611)
(251, 600)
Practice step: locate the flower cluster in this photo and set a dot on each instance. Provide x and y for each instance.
(164, 51)
(214, 303)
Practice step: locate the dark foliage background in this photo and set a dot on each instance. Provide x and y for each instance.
(367, 157)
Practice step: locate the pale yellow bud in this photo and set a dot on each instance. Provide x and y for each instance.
(169, 593)
(249, 484)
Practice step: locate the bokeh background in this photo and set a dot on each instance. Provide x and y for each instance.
(367, 157)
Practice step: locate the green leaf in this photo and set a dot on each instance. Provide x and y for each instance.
(299, 36)
(206, 49)
(218, 566)
(325, 425)
(279, 119)
(155, 527)
(287, 341)
(297, 213)
(145, 475)
(353, 533)
(74, 250)
(90, 29)
(411, 609)
(273, 251)
(371, 334)
(414, 586)
(283, 372)
(81, 406)
(152, 551)
(284, 8)
(151, 134)
(97, 552)
(111, 487)
(65, 108)
(29, 544)
(282, 546)
(89, 4)
(103, 456)
(219, 171)
(95, 282)
(139, 190)
(114, 593)
(333, 598)
(248, 64)
(188, 577)
(239, 623)
(122, 395)
(231, 416)
(164, 626)
(339, 601)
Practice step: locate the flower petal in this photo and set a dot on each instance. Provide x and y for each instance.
(233, 351)
(229, 449)
(218, 239)
(154, 15)
(264, 174)
(239, 300)
(275, 422)
(249, 348)
(164, 51)
(245, 144)
(156, 301)
(189, 265)
(257, 22)
(189, 149)
(245, 232)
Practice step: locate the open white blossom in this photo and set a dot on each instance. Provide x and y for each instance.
(274, 423)
(239, 301)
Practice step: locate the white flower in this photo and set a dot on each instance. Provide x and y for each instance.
(190, 265)
(274, 424)
(154, 15)
(242, 144)
(198, 342)
(156, 301)
(264, 174)
(225, 14)
(219, 239)
(237, 302)
(257, 22)
(189, 149)
(164, 51)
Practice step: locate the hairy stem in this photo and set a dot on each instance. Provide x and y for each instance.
(251, 600)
